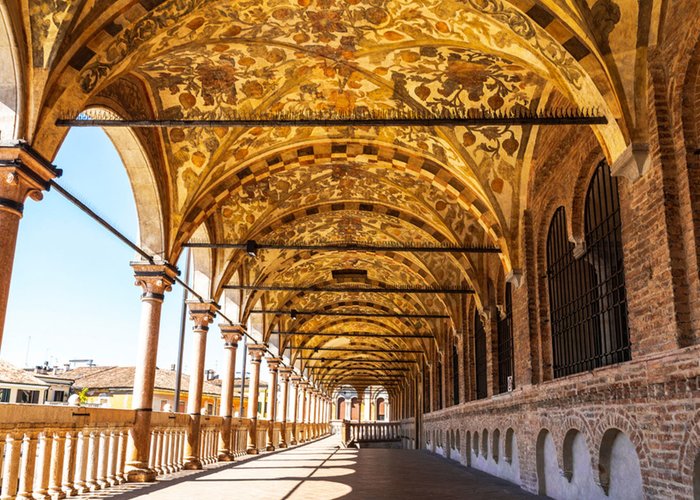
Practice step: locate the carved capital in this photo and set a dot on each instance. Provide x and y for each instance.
(285, 373)
(23, 173)
(154, 279)
(202, 313)
(232, 334)
(296, 380)
(256, 352)
(273, 363)
(515, 278)
(633, 163)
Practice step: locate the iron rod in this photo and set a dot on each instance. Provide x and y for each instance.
(359, 334)
(357, 360)
(354, 289)
(348, 246)
(471, 118)
(349, 313)
(343, 349)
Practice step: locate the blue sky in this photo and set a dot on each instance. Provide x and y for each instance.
(72, 294)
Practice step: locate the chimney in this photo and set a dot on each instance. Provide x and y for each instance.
(172, 367)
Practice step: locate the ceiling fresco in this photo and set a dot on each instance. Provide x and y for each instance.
(213, 60)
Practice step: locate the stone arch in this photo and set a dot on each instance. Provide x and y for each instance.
(546, 458)
(496, 445)
(509, 445)
(467, 448)
(11, 112)
(153, 233)
(619, 468)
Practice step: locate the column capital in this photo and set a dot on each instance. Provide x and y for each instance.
(286, 373)
(273, 363)
(154, 279)
(295, 379)
(256, 352)
(23, 173)
(232, 334)
(202, 313)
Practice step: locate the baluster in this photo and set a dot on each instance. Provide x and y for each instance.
(93, 454)
(151, 450)
(69, 464)
(43, 468)
(58, 450)
(121, 456)
(10, 469)
(157, 451)
(112, 458)
(26, 469)
(165, 454)
(103, 459)
(81, 462)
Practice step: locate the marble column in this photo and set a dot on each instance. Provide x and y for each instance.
(256, 352)
(231, 335)
(23, 174)
(285, 373)
(154, 280)
(202, 314)
(304, 410)
(296, 381)
(273, 365)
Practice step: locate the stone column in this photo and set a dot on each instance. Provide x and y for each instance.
(231, 334)
(256, 352)
(285, 373)
(23, 174)
(273, 365)
(155, 280)
(201, 313)
(296, 381)
(304, 386)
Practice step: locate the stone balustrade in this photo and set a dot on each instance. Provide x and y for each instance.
(57, 451)
(366, 432)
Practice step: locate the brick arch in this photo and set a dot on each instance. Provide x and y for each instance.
(623, 421)
(574, 420)
(689, 453)
(315, 153)
(578, 204)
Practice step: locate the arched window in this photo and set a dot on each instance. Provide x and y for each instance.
(440, 375)
(341, 409)
(455, 375)
(587, 301)
(381, 409)
(480, 356)
(506, 369)
(426, 392)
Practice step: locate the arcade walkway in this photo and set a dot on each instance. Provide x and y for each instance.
(321, 470)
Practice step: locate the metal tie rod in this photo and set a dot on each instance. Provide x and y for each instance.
(292, 312)
(352, 289)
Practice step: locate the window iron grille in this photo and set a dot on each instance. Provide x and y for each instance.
(506, 364)
(480, 356)
(587, 299)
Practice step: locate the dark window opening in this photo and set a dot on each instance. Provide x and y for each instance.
(506, 364)
(27, 396)
(4, 395)
(480, 356)
(439, 385)
(455, 375)
(587, 299)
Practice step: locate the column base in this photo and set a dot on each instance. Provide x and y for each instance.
(193, 464)
(252, 451)
(269, 447)
(225, 456)
(138, 476)
(282, 445)
(293, 442)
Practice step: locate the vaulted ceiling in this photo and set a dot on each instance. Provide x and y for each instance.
(205, 59)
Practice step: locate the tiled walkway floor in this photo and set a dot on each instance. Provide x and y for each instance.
(321, 470)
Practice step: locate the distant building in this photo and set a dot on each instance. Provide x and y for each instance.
(113, 387)
(20, 386)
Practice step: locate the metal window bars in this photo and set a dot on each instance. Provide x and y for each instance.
(480, 356)
(588, 305)
(506, 364)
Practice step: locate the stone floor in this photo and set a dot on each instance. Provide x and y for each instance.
(323, 470)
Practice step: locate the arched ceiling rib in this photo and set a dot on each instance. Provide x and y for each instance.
(214, 59)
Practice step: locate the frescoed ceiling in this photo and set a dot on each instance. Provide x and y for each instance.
(213, 60)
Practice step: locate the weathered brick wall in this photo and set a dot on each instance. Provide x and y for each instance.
(654, 400)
